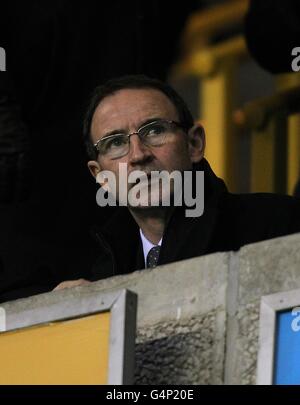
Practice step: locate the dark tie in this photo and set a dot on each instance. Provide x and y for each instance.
(152, 257)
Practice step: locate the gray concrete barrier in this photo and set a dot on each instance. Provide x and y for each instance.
(198, 320)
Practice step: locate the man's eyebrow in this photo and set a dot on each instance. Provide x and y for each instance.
(114, 132)
(149, 120)
(123, 131)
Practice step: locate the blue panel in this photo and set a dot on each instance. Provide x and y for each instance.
(287, 348)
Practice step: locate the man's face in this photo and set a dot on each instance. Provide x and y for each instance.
(126, 111)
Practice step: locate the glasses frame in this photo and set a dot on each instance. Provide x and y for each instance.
(176, 123)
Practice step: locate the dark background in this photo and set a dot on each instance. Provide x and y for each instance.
(57, 52)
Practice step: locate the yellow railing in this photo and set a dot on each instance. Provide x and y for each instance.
(204, 25)
(273, 123)
(216, 68)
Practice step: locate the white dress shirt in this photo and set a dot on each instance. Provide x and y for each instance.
(147, 245)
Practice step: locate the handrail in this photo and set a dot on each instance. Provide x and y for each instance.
(207, 60)
(255, 114)
(205, 23)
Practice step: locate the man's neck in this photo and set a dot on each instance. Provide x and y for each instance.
(152, 222)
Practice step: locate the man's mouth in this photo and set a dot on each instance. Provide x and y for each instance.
(146, 175)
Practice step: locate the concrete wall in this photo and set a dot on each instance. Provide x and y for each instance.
(197, 319)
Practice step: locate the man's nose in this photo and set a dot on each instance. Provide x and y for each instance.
(138, 151)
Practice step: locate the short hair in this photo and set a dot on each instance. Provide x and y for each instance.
(131, 82)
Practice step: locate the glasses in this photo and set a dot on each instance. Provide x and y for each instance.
(153, 134)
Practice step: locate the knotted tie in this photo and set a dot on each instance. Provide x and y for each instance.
(152, 257)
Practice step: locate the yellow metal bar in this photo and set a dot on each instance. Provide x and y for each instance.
(284, 82)
(216, 67)
(267, 116)
(204, 24)
(293, 152)
(69, 352)
(217, 104)
(210, 59)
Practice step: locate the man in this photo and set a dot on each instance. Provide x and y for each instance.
(121, 127)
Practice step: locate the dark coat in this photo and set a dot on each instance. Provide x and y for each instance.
(229, 221)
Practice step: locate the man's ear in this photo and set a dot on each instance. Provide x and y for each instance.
(196, 140)
(94, 168)
(99, 175)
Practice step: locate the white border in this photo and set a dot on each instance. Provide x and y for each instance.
(269, 306)
(122, 305)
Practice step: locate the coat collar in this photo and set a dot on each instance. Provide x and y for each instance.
(187, 237)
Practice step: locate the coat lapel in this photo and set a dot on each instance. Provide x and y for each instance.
(187, 237)
(121, 234)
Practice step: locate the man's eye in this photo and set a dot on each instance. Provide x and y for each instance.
(114, 143)
(156, 129)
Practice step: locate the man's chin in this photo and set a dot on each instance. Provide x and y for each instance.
(149, 210)
(155, 204)
(147, 204)
(143, 207)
